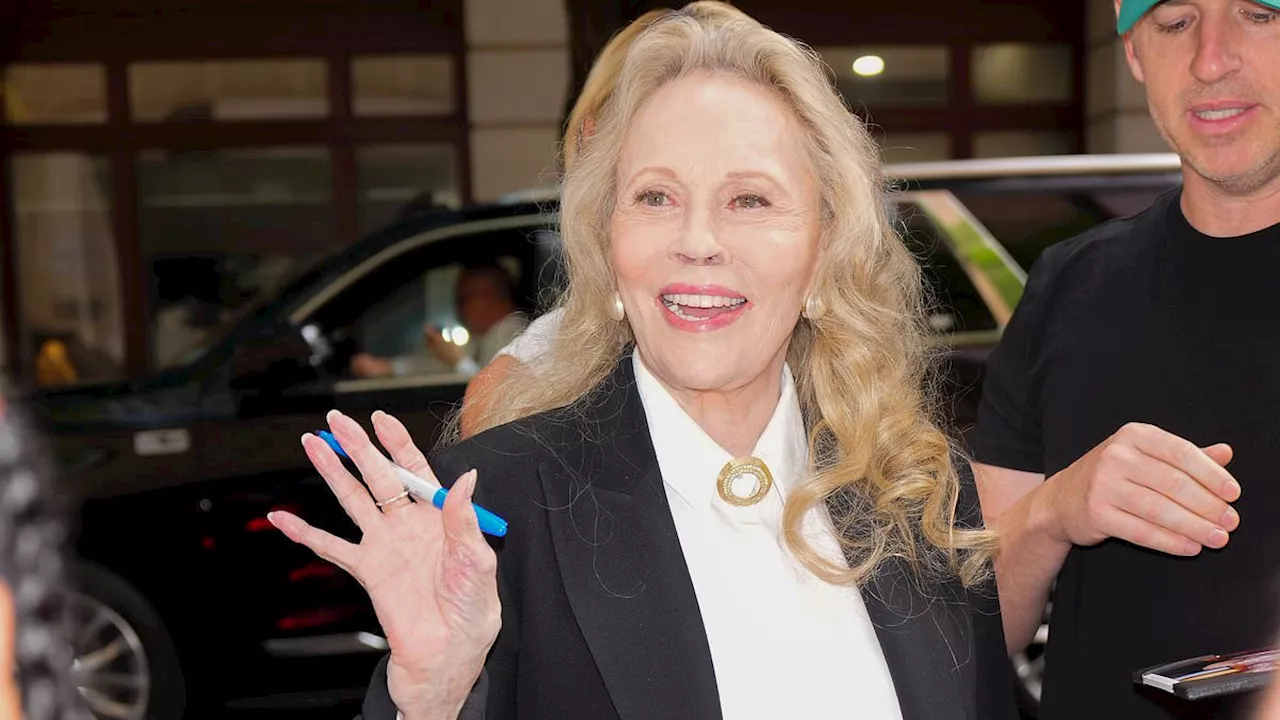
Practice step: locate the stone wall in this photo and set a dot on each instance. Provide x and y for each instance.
(517, 78)
(1116, 117)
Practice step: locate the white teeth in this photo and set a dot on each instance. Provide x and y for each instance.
(1219, 114)
(700, 301)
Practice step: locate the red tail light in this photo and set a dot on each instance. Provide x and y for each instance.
(262, 524)
(315, 618)
(317, 569)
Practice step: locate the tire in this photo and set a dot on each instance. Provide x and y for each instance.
(116, 634)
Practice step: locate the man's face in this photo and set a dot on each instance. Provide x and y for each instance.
(477, 302)
(1212, 74)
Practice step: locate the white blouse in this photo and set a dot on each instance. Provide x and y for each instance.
(783, 642)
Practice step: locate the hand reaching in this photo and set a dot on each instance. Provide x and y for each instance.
(430, 573)
(370, 366)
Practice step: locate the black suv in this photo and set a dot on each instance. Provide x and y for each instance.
(190, 604)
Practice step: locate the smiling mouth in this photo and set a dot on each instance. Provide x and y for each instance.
(697, 307)
(1223, 114)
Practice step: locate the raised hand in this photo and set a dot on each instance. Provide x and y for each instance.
(430, 573)
(1149, 487)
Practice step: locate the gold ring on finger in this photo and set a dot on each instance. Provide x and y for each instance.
(388, 501)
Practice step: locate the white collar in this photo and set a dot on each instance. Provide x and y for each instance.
(691, 461)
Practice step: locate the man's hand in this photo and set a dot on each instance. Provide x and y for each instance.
(448, 353)
(368, 366)
(1146, 486)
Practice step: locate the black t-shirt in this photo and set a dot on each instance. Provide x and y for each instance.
(1147, 320)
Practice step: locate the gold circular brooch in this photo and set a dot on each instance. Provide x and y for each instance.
(738, 467)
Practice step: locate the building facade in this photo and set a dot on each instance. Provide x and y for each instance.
(165, 161)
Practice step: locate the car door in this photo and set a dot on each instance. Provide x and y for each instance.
(309, 611)
(286, 603)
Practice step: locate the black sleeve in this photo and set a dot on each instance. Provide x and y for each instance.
(1008, 433)
(968, 507)
(378, 706)
(996, 682)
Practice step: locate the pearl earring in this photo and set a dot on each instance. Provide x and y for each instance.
(813, 308)
(619, 311)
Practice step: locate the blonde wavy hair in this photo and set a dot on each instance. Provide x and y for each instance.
(879, 462)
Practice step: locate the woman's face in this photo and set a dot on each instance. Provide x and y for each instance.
(715, 231)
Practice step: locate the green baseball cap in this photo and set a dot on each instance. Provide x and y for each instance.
(1133, 10)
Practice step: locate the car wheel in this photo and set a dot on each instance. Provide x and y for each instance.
(126, 666)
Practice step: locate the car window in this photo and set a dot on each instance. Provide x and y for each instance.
(1028, 222)
(383, 314)
(394, 325)
(954, 302)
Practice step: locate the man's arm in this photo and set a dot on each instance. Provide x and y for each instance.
(1143, 485)
(1027, 561)
(479, 392)
(533, 342)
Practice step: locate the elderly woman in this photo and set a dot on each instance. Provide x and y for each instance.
(725, 493)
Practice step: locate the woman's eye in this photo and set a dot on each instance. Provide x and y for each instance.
(1264, 17)
(750, 202)
(652, 198)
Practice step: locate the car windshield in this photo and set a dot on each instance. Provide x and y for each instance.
(299, 276)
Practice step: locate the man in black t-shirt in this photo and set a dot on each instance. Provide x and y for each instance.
(1140, 375)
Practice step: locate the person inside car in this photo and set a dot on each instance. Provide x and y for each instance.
(487, 308)
(726, 493)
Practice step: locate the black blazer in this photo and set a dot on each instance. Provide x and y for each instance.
(599, 616)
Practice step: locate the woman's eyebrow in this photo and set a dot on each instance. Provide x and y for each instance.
(655, 170)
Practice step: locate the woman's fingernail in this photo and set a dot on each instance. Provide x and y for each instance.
(470, 480)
